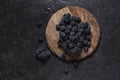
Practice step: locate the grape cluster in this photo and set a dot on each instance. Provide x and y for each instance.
(42, 54)
(74, 35)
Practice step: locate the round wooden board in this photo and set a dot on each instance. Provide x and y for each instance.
(52, 35)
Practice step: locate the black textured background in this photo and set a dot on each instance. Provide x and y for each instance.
(19, 40)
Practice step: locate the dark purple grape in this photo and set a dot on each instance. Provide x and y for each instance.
(79, 33)
(79, 44)
(81, 25)
(68, 15)
(62, 28)
(48, 53)
(74, 29)
(39, 50)
(76, 19)
(59, 44)
(85, 49)
(60, 40)
(63, 57)
(57, 27)
(81, 39)
(70, 46)
(85, 42)
(77, 49)
(62, 34)
(42, 56)
(67, 42)
(88, 37)
(67, 30)
(81, 30)
(72, 23)
(88, 44)
(72, 38)
(66, 20)
(61, 23)
(64, 46)
(72, 33)
(73, 51)
(86, 24)
(66, 38)
(69, 27)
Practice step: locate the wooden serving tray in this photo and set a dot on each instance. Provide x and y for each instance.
(52, 35)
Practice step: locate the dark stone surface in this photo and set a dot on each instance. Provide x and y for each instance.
(19, 40)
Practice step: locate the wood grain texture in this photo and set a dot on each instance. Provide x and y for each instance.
(52, 35)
